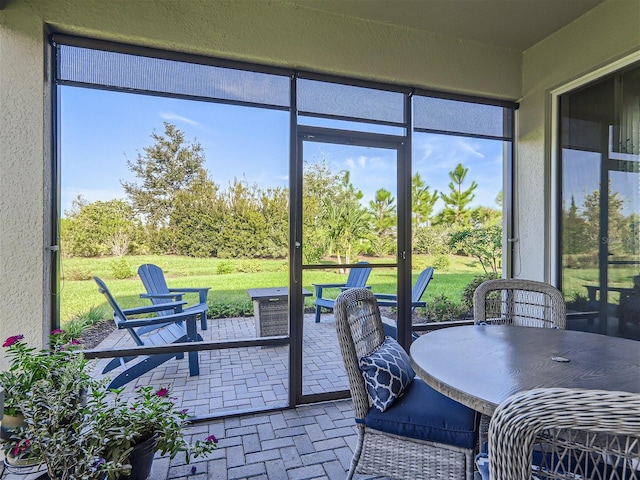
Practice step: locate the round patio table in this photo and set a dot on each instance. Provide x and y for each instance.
(481, 365)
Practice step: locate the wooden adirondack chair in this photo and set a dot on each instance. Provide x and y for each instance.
(422, 282)
(158, 292)
(357, 278)
(176, 326)
(391, 300)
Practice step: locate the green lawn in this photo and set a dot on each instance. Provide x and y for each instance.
(79, 293)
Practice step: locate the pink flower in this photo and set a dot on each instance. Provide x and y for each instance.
(12, 340)
(75, 341)
(21, 447)
(211, 438)
(57, 331)
(163, 392)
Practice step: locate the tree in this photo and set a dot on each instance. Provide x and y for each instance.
(422, 201)
(243, 232)
(455, 210)
(484, 243)
(274, 206)
(617, 225)
(196, 219)
(347, 221)
(574, 230)
(100, 228)
(383, 221)
(169, 166)
(319, 189)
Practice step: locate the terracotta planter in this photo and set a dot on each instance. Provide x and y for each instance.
(141, 460)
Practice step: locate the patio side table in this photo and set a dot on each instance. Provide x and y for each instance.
(271, 310)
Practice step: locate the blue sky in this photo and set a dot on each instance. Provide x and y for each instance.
(101, 130)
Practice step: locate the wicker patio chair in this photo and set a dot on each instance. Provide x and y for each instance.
(424, 434)
(525, 303)
(559, 433)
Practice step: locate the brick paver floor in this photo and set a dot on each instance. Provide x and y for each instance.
(308, 442)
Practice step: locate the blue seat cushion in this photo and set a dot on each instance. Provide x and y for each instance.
(426, 414)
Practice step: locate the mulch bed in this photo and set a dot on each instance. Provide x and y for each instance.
(92, 336)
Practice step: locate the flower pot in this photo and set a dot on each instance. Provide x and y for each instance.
(141, 460)
(9, 423)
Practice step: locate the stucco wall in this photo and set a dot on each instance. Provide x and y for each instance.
(605, 34)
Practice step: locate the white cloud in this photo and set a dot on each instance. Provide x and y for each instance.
(179, 118)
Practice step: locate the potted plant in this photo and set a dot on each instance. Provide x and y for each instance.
(147, 423)
(28, 366)
(81, 430)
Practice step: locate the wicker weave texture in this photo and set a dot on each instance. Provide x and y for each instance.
(360, 331)
(272, 316)
(525, 303)
(595, 432)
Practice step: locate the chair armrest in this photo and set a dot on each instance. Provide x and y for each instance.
(386, 296)
(329, 285)
(320, 286)
(144, 322)
(201, 291)
(154, 308)
(176, 295)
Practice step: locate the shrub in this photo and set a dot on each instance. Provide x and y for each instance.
(74, 327)
(226, 307)
(419, 263)
(441, 262)
(250, 266)
(466, 301)
(224, 267)
(77, 275)
(441, 309)
(120, 268)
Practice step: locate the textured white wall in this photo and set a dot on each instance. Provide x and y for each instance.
(21, 180)
(598, 38)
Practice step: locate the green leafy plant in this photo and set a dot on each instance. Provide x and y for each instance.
(27, 366)
(250, 266)
(77, 427)
(466, 300)
(121, 269)
(441, 309)
(224, 267)
(151, 413)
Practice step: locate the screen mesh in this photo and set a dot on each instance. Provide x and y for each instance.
(318, 97)
(147, 74)
(459, 117)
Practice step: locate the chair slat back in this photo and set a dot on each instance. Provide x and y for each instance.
(119, 317)
(358, 277)
(360, 331)
(422, 282)
(153, 280)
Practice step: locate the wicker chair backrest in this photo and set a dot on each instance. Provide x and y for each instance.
(360, 331)
(569, 433)
(526, 303)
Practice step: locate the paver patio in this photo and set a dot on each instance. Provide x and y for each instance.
(243, 378)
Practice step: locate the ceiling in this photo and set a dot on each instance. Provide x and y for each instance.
(513, 24)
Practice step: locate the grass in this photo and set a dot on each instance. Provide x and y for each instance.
(80, 298)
